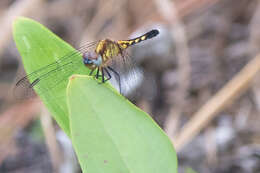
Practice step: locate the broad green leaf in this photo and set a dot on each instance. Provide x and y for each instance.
(39, 47)
(111, 135)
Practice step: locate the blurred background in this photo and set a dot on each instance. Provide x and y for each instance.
(201, 80)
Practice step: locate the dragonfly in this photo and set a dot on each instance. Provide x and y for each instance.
(98, 57)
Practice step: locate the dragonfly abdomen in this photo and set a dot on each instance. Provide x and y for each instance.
(126, 43)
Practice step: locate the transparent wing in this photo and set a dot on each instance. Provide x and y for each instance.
(122, 63)
(130, 75)
(52, 75)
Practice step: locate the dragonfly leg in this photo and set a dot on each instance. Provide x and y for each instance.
(97, 74)
(103, 76)
(90, 74)
(109, 75)
(117, 74)
(103, 70)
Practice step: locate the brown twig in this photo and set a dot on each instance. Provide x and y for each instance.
(254, 44)
(169, 12)
(16, 117)
(106, 11)
(231, 91)
(187, 7)
(51, 141)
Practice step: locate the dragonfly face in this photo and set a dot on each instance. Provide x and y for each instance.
(92, 60)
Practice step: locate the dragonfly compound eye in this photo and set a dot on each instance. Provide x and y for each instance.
(87, 61)
(89, 57)
(92, 60)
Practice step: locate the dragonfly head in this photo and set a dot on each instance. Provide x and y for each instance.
(92, 60)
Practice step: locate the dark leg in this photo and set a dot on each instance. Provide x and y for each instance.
(97, 74)
(117, 74)
(109, 76)
(103, 76)
(90, 74)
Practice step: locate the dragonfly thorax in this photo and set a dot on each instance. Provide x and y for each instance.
(92, 60)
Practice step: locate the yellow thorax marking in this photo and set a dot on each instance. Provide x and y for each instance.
(100, 46)
(108, 54)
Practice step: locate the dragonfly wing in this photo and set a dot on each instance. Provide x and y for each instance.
(45, 80)
(52, 75)
(128, 71)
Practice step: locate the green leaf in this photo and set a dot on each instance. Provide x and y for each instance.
(111, 135)
(39, 47)
(108, 132)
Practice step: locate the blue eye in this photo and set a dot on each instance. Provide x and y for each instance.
(87, 61)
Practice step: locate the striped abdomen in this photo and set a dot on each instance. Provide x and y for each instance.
(126, 43)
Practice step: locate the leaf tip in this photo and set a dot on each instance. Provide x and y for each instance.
(17, 22)
(72, 77)
(19, 19)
